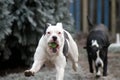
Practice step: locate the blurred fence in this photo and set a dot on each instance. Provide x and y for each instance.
(100, 11)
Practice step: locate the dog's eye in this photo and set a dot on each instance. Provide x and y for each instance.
(59, 32)
(48, 32)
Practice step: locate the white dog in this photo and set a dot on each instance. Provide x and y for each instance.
(55, 45)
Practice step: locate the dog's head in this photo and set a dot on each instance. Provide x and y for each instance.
(54, 36)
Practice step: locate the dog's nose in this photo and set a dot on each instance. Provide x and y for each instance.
(54, 38)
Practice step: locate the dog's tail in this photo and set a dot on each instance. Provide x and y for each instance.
(90, 23)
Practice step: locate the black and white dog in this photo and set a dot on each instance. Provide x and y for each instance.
(97, 48)
(53, 46)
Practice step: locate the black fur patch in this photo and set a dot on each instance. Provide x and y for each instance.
(45, 28)
(66, 36)
(65, 48)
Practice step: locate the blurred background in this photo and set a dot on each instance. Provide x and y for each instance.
(99, 11)
(22, 23)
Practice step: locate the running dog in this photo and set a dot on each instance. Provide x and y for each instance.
(55, 45)
(97, 48)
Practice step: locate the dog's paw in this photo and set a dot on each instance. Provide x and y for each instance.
(75, 67)
(28, 73)
(97, 76)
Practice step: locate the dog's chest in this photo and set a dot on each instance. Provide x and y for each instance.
(49, 64)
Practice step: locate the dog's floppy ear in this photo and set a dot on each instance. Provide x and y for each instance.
(59, 24)
(45, 28)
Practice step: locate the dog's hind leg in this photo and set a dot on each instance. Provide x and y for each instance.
(73, 50)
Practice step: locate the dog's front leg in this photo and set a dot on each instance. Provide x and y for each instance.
(105, 67)
(60, 64)
(90, 63)
(39, 59)
(60, 73)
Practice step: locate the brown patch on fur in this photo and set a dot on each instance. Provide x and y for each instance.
(49, 64)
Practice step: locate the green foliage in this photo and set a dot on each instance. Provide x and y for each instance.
(22, 23)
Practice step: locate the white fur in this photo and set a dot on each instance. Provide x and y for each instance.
(54, 31)
(98, 73)
(98, 60)
(94, 43)
(43, 52)
(73, 50)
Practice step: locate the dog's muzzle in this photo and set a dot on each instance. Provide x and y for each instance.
(53, 46)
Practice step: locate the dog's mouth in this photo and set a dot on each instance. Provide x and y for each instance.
(53, 46)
